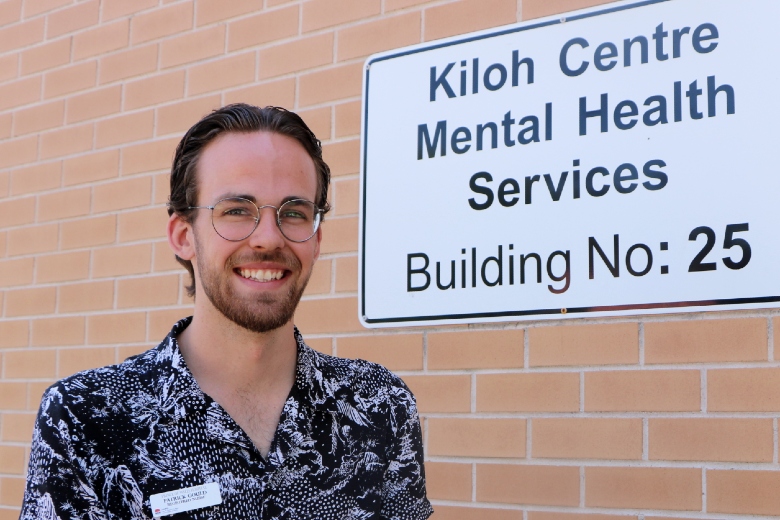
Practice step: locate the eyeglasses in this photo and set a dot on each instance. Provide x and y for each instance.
(234, 218)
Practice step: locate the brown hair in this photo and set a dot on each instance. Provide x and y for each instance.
(239, 118)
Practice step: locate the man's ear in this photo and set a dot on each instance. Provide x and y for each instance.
(180, 237)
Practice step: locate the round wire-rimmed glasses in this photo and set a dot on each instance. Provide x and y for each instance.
(235, 218)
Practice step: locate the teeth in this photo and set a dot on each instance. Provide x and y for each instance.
(261, 275)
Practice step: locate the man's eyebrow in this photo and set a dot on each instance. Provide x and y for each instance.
(231, 195)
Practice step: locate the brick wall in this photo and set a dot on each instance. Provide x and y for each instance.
(672, 416)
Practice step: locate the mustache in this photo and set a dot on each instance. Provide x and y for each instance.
(277, 257)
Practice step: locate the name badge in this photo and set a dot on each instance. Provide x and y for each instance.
(186, 499)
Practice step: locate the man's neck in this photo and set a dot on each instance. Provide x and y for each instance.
(227, 359)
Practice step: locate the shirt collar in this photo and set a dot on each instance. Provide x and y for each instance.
(314, 391)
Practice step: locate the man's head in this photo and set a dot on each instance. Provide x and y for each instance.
(238, 118)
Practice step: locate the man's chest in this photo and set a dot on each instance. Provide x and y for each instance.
(321, 466)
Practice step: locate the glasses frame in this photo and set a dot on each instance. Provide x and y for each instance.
(317, 216)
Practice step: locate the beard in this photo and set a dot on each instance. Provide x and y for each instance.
(262, 312)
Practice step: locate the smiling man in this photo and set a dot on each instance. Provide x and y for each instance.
(233, 416)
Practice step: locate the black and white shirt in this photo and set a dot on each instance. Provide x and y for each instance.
(348, 445)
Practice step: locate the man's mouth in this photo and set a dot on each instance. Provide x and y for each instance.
(261, 275)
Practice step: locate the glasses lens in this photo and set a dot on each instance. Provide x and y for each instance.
(234, 219)
(298, 220)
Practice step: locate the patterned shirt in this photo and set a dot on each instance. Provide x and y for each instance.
(348, 444)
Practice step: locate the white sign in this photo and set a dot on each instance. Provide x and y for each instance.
(616, 161)
(185, 499)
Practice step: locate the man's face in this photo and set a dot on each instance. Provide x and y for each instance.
(256, 282)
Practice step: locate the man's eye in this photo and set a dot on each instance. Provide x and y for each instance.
(237, 212)
(293, 215)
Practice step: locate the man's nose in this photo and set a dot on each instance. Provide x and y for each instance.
(267, 234)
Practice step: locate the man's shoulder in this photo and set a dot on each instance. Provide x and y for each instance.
(108, 383)
(362, 378)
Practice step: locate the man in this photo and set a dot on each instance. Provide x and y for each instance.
(232, 416)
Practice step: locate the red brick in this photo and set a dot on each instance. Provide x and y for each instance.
(14, 333)
(448, 481)
(39, 117)
(192, 46)
(476, 437)
(28, 302)
(586, 438)
(643, 391)
(67, 140)
(331, 84)
(125, 128)
(532, 392)
(18, 151)
(738, 440)
(9, 66)
(743, 390)
(210, 11)
(40, 177)
(339, 235)
(89, 296)
(81, 15)
(318, 14)
(297, 55)
(17, 271)
(116, 8)
(609, 344)
(94, 104)
(380, 35)
(643, 488)
(526, 484)
(10, 12)
(225, 72)
(33, 7)
(147, 157)
(91, 167)
(263, 28)
(468, 15)
(538, 8)
(64, 204)
(177, 118)
(348, 119)
(58, 331)
(325, 316)
(72, 360)
(440, 393)
(475, 349)
(161, 22)
(62, 267)
(127, 64)
(346, 274)
(280, 93)
(342, 157)
(28, 240)
(20, 92)
(703, 341)
(396, 352)
(46, 56)
(142, 224)
(21, 35)
(148, 292)
(88, 232)
(116, 328)
(154, 90)
(80, 76)
(743, 492)
(122, 194)
(101, 39)
(461, 512)
(17, 212)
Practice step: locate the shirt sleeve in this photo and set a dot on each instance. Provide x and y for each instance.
(57, 483)
(403, 489)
